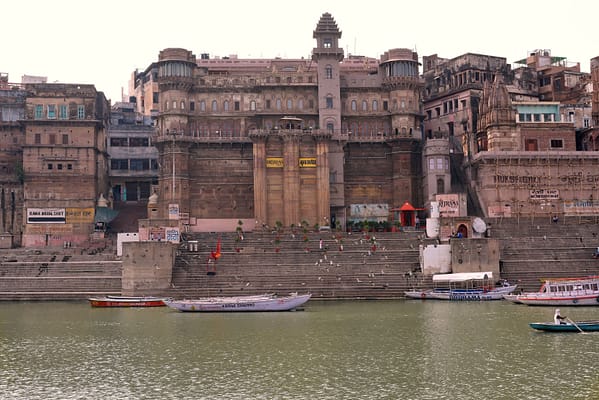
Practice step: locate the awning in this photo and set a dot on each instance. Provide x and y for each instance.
(105, 214)
(463, 276)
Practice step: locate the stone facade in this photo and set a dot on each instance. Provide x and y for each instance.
(64, 162)
(283, 141)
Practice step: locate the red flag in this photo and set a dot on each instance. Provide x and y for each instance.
(216, 254)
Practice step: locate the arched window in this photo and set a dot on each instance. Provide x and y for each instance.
(253, 105)
(174, 104)
(202, 106)
(289, 104)
(214, 105)
(226, 105)
(300, 104)
(354, 105)
(182, 104)
(364, 105)
(329, 101)
(278, 104)
(166, 105)
(375, 105)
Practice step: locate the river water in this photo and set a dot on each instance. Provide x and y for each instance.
(405, 349)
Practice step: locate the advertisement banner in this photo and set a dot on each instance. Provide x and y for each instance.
(46, 216)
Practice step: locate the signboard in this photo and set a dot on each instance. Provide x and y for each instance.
(79, 215)
(172, 234)
(46, 216)
(173, 211)
(500, 211)
(451, 205)
(544, 194)
(157, 233)
(274, 162)
(307, 162)
(371, 212)
(581, 207)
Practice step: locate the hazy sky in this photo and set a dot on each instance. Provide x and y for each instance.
(103, 42)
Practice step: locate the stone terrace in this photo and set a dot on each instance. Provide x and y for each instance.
(284, 262)
(371, 265)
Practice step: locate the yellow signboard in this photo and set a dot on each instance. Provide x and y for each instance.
(79, 215)
(274, 162)
(307, 162)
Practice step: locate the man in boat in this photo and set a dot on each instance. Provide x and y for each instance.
(558, 319)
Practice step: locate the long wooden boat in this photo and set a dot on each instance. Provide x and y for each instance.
(564, 292)
(464, 286)
(127, 301)
(585, 326)
(267, 302)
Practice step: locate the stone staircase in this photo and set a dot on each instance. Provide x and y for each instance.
(375, 265)
(534, 249)
(59, 274)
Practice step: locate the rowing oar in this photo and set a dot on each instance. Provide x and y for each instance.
(575, 324)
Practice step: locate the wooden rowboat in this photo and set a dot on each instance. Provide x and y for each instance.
(127, 301)
(267, 302)
(576, 326)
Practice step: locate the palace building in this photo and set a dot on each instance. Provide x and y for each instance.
(319, 141)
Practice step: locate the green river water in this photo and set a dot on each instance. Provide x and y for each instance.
(405, 349)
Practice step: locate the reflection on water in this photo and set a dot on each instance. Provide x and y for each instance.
(332, 350)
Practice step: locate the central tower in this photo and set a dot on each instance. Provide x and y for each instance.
(328, 55)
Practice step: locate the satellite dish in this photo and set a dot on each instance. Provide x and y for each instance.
(479, 225)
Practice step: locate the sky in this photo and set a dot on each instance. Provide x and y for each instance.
(103, 42)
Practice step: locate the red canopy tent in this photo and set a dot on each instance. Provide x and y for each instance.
(407, 214)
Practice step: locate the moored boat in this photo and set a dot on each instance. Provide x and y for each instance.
(564, 292)
(267, 302)
(127, 301)
(576, 326)
(464, 286)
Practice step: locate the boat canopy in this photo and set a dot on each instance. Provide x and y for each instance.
(463, 276)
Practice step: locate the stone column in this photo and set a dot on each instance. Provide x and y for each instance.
(322, 181)
(291, 181)
(259, 153)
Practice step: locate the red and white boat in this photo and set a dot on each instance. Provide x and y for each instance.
(127, 301)
(267, 302)
(564, 292)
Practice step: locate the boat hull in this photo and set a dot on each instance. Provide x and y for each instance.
(240, 304)
(123, 301)
(585, 326)
(540, 300)
(461, 294)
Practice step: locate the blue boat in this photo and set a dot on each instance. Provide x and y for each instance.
(575, 326)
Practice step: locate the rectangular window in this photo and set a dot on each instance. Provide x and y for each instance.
(537, 117)
(139, 164)
(139, 142)
(81, 112)
(431, 164)
(38, 138)
(120, 164)
(557, 143)
(63, 111)
(50, 166)
(268, 104)
(155, 97)
(52, 138)
(51, 111)
(69, 166)
(329, 102)
(39, 111)
(118, 142)
(192, 106)
(385, 105)
(586, 123)
(59, 166)
(236, 106)
(65, 139)
(440, 164)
